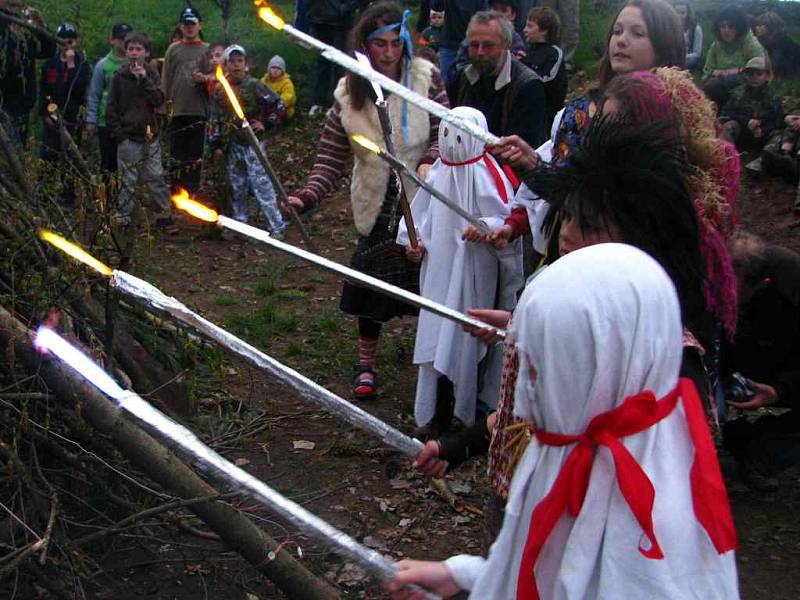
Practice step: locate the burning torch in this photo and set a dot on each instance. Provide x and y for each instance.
(176, 434)
(158, 300)
(262, 157)
(266, 14)
(202, 212)
(396, 163)
(386, 127)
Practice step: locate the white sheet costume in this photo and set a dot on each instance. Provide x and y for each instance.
(461, 274)
(600, 327)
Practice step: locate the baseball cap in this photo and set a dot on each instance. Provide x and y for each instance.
(231, 49)
(190, 15)
(67, 30)
(756, 63)
(120, 30)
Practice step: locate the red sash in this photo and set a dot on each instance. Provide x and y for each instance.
(635, 414)
(498, 180)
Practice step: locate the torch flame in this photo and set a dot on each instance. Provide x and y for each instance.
(75, 251)
(237, 108)
(266, 14)
(193, 207)
(367, 143)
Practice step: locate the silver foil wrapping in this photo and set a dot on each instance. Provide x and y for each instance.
(371, 75)
(151, 295)
(397, 164)
(355, 276)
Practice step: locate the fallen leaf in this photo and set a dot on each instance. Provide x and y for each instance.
(460, 487)
(303, 445)
(376, 543)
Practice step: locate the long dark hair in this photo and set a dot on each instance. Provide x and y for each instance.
(735, 17)
(666, 35)
(631, 179)
(374, 17)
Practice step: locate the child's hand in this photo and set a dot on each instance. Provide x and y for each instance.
(753, 124)
(257, 125)
(515, 151)
(137, 68)
(501, 236)
(199, 77)
(415, 254)
(474, 235)
(423, 171)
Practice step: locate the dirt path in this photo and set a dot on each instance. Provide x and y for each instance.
(290, 310)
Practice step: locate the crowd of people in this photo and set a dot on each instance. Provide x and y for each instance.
(646, 313)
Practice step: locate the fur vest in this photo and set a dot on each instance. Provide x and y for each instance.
(370, 172)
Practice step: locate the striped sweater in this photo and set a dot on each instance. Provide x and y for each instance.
(333, 150)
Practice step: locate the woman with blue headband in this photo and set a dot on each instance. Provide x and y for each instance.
(382, 35)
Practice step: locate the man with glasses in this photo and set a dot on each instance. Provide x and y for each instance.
(507, 92)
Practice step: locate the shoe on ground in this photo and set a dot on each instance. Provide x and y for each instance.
(278, 235)
(365, 383)
(315, 111)
(754, 167)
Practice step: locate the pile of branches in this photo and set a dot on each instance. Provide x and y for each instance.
(74, 473)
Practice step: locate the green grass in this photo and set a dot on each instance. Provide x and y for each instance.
(94, 19)
(226, 300)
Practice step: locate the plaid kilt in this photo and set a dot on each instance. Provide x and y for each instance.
(378, 255)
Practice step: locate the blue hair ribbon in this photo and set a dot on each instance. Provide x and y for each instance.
(408, 45)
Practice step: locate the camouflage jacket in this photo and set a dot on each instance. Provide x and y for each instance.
(760, 103)
(258, 103)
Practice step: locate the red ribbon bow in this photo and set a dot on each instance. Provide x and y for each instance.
(635, 414)
(498, 180)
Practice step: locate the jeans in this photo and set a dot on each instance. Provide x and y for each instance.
(447, 56)
(246, 174)
(108, 150)
(140, 163)
(187, 134)
(327, 72)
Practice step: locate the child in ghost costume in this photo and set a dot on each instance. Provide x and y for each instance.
(460, 274)
(619, 496)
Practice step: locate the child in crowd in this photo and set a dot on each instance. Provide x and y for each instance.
(134, 96)
(97, 96)
(734, 45)
(263, 108)
(692, 34)
(456, 370)
(542, 33)
(213, 60)
(433, 33)
(780, 155)
(184, 82)
(753, 111)
(65, 79)
(279, 81)
(783, 52)
(508, 8)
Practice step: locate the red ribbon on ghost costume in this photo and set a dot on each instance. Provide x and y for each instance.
(634, 415)
(489, 162)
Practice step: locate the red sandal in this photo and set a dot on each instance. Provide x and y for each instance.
(365, 383)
